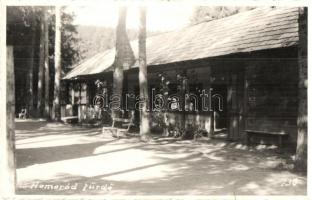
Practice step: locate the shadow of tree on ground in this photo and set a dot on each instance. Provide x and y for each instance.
(99, 165)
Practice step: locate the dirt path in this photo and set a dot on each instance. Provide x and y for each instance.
(61, 159)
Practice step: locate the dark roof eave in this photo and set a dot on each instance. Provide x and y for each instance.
(161, 66)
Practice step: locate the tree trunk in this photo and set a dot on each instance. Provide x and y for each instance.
(58, 69)
(118, 75)
(46, 67)
(7, 141)
(143, 81)
(41, 68)
(30, 106)
(302, 137)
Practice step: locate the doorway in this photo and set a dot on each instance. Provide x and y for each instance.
(219, 105)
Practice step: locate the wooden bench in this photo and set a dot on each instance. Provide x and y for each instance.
(69, 119)
(115, 131)
(280, 135)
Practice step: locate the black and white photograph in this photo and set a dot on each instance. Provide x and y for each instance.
(153, 99)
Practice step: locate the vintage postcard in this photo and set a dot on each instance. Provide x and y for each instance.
(153, 99)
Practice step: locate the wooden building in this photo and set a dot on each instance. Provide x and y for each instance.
(250, 59)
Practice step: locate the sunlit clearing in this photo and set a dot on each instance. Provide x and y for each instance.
(112, 165)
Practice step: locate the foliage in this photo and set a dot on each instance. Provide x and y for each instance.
(23, 32)
(69, 52)
(183, 79)
(20, 23)
(23, 21)
(95, 39)
(209, 13)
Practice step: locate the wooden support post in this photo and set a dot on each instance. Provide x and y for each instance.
(87, 102)
(80, 111)
(240, 102)
(80, 88)
(245, 102)
(207, 87)
(72, 84)
(212, 122)
(233, 109)
(184, 86)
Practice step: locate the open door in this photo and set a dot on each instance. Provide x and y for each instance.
(219, 105)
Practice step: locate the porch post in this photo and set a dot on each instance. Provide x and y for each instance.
(125, 91)
(72, 93)
(245, 102)
(209, 121)
(233, 131)
(79, 105)
(87, 93)
(240, 102)
(72, 97)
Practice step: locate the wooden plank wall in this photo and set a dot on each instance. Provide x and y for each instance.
(271, 99)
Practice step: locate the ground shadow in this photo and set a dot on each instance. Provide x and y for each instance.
(210, 167)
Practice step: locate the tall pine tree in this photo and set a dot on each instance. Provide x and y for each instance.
(143, 79)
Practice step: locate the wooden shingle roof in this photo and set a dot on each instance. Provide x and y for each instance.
(258, 29)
